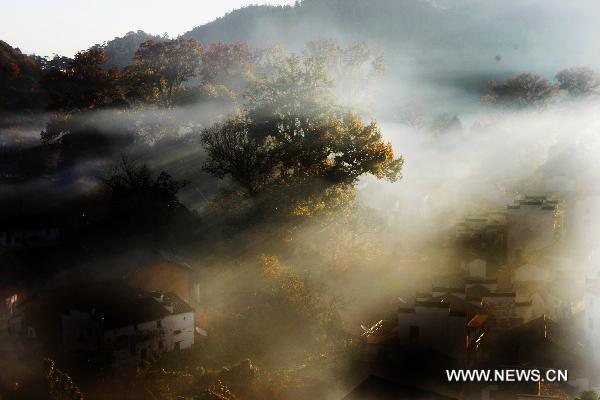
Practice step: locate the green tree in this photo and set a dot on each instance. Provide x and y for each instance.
(227, 69)
(354, 68)
(121, 50)
(521, 91)
(19, 76)
(290, 134)
(159, 70)
(578, 80)
(83, 84)
(135, 194)
(588, 395)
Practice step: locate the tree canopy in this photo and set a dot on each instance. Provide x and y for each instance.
(290, 134)
(160, 68)
(578, 81)
(83, 84)
(521, 91)
(19, 79)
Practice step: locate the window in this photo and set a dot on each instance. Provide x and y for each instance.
(177, 332)
(160, 344)
(413, 333)
(30, 332)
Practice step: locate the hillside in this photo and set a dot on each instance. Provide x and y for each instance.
(473, 37)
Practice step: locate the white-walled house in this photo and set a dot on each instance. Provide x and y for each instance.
(477, 269)
(534, 225)
(433, 324)
(127, 325)
(585, 225)
(531, 273)
(592, 319)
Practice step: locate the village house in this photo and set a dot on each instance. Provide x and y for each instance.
(476, 269)
(585, 227)
(534, 225)
(531, 273)
(592, 318)
(128, 325)
(447, 324)
(484, 236)
(164, 275)
(117, 324)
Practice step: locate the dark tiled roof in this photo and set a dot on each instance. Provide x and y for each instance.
(481, 281)
(501, 294)
(447, 289)
(117, 305)
(432, 304)
(406, 310)
(457, 314)
(179, 306)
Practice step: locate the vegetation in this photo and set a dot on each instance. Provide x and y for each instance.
(19, 80)
(160, 68)
(83, 83)
(120, 51)
(274, 145)
(578, 81)
(522, 91)
(61, 384)
(588, 395)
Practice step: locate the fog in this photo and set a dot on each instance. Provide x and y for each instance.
(462, 156)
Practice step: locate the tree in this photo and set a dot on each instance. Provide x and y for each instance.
(227, 68)
(83, 84)
(137, 195)
(56, 62)
(446, 122)
(61, 384)
(159, 69)
(588, 395)
(521, 91)
(121, 50)
(353, 68)
(291, 137)
(578, 81)
(19, 76)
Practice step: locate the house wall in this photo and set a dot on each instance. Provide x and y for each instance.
(592, 324)
(129, 343)
(530, 229)
(477, 269)
(585, 229)
(531, 273)
(437, 330)
(180, 329)
(80, 332)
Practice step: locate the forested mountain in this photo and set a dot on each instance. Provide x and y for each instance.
(120, 50)
(459, 43)
(481, 37)
(19, 76)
